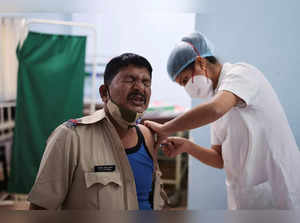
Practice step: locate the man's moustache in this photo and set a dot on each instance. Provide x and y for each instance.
(132, 95)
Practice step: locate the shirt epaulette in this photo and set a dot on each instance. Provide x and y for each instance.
(71, 123)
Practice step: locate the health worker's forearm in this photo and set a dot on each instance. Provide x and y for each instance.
(194, 118)
(209, 157)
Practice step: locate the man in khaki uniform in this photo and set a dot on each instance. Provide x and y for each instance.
(85, 165)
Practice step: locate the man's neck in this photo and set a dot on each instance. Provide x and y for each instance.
(128, 136)
(121, 131)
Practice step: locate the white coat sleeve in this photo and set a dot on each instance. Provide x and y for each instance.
(215, 139)
(241, 82)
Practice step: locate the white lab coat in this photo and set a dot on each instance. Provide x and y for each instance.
(261, 157)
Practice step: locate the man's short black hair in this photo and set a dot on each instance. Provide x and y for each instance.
(117, 63)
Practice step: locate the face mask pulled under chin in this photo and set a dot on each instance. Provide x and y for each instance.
(124, 117)
(199, 87)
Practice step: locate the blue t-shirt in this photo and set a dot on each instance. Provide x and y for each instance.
(142, 166)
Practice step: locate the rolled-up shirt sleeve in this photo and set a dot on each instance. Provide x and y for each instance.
(241, 82)
(56, 169)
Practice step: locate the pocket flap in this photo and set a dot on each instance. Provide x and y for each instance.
(103, 178)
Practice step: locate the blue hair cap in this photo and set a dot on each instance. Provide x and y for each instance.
(185, 52)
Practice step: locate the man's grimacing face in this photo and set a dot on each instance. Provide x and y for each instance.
(131, 88)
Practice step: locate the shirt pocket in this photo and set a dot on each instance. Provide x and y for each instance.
(109, 189)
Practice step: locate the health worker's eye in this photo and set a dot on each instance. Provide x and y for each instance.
(184, 81)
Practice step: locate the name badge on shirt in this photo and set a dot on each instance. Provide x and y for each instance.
(105, 168)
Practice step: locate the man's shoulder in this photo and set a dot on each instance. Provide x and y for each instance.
(147, 133)
(86, 120)
(72, 125)
(149, 137)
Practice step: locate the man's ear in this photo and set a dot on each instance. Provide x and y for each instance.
(103, 90)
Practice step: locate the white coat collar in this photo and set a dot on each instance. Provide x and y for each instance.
(225, 69)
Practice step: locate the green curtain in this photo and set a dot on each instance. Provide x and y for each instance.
(50, 91)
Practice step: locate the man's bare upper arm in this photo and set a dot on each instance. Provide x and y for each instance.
(149, 138)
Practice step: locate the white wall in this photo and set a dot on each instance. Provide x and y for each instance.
(265, 34)
(151, 35)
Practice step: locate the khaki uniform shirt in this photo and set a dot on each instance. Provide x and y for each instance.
(67, 180)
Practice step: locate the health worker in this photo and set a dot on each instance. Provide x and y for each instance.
(250, 135)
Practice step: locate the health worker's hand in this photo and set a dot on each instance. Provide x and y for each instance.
(158, 130)
(172, 146)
